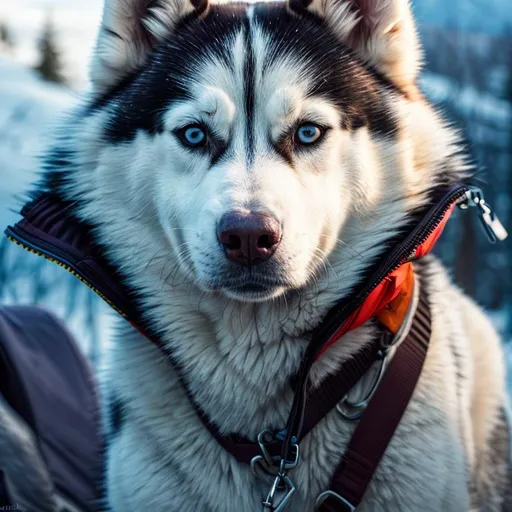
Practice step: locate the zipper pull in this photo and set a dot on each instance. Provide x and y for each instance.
(493, 228)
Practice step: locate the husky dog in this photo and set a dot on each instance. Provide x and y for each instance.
(243, 165)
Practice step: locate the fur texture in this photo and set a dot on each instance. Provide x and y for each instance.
(250, 77)
(26, 476)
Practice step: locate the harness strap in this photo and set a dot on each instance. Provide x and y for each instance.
(319, 402)
(381, 418)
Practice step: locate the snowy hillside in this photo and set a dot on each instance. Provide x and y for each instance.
(75, 22)
(28, 110)
(489, 16)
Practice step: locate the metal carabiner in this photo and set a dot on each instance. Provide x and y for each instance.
(268, 463)
(352, 411)
(266, 437)
(281, 492)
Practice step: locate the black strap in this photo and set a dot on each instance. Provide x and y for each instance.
(381, 418)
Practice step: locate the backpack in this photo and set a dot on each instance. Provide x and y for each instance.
(51, 441)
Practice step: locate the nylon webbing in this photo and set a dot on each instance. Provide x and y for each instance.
(381, 418)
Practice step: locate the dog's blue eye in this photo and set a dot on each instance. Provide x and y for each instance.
(193, 135)
(308, 134)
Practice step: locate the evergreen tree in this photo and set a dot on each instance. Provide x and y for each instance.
(5, 36)
(49, 66)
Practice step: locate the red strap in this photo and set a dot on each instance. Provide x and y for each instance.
(381, 418)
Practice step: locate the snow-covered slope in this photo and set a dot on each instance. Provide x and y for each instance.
(29, 108)
(75, 22)
(489, 16)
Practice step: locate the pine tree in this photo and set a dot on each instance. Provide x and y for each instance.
(5, 36)
(49, 66)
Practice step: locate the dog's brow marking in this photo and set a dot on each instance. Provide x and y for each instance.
(248, 85)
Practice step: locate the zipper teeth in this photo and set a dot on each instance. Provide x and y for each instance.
(415, 241)
(70, 270)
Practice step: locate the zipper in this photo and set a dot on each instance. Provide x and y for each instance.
(464, 196)
(51, 253)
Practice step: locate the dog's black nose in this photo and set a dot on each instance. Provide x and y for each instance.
(249, 238)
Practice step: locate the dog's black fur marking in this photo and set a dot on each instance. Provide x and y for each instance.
(138, 101)
(249, 93)
(116, 415)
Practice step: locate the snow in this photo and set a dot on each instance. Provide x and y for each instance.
(29, 108)
(490, 16)
(75, 21)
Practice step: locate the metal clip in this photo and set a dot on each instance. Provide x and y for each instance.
(266, 437)
(261, 470)
(493, 228)
(352, 411)
(265, 465)
(492, 225)
(340, 499)
(272, 469)
(280, 494)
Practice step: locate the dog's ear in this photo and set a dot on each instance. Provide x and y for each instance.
(129, 31)
(382, 32)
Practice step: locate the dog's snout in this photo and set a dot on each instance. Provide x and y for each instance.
(249, 238)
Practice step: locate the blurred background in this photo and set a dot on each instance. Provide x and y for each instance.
(44, 49)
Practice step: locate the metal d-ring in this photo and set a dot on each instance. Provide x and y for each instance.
(352, 411)
(261, 470)
(340, 499)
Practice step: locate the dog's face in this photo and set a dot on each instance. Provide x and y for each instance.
(249, 135)
(253, 179)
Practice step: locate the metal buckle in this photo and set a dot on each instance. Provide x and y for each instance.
(272, 469)
(349, 507)
(352, 411)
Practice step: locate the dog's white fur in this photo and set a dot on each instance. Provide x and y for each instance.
(382, 32)
(155, 207)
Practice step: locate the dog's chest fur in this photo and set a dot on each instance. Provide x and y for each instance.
(163, 458)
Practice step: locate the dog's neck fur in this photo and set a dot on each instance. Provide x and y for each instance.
(237, 359)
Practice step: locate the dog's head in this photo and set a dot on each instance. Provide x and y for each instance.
(253, 144)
